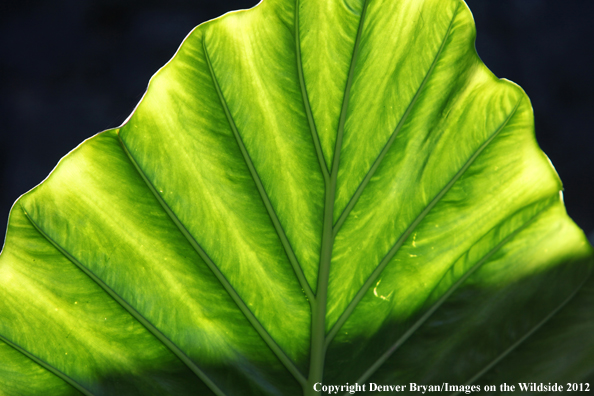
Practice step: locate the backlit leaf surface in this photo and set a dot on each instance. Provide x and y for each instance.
(310, 191)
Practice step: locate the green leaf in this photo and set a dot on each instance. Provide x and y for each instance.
(310, 191)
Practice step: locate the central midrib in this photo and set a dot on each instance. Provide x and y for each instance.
(318, 313)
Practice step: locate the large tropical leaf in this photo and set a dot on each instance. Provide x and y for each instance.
(310, 191)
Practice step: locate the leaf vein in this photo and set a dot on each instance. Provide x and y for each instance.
(261, 190)
(399, 126)
(131, 310)
(306, 102)
(515, 345)
(375, 274)
(276, 349)
(318, 327)
(386, 355)
(66, 378)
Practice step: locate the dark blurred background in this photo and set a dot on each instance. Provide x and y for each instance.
(72, 68)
